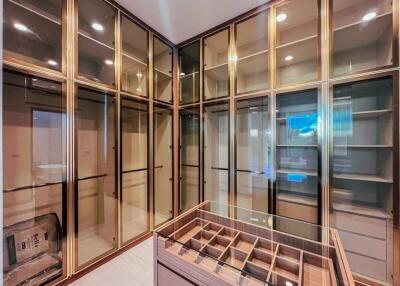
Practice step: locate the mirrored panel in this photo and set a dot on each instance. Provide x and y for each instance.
(96, 41)
(162, 60)
(95, 186)
(252, 153)
(297, 42)
(32, 32)
(252, 54)
(362, 35)
(34, 186)
(362, 190)
(163, 172)
(297, 155)
(134, 76)
(216, 69)
(216, 154)
(134, 156)
(189, 73)
(189, 144)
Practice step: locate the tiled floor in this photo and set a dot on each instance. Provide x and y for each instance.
(133, 267)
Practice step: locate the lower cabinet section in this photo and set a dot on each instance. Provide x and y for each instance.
(167, 277)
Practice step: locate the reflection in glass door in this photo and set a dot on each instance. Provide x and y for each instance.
(134, 156)
(95, 197)
(189, 158)
(34, 149)
(297, 155)
(216, 154)
(163, 182)
(252, 165)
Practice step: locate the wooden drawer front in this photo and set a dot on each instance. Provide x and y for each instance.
(298, 211)
(367, 266)
(361, 224)
(166, 277)
(364, 245)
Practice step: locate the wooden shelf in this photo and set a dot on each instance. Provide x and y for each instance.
(362, 177)
(360, 209)
(134, 59)
(298, 199)
(80, 33)
(297, 171)
(363, 146)
(42, 14)
(371, 113)
(351, 25)
(252, 55)
(219, 72)
(163, 73)
(296, 42)
(296, 146)
(188, 75)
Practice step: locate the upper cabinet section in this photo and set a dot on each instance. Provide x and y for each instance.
(134, 58)
(216, 69)
(96, 41)
(297, 42)
(33, 32)
(362, 35)
(252, 54)
(189, 73)
(162, 61)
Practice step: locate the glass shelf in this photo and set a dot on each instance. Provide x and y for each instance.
(363, 173)
(33, 32)
(362, 35)
(216, 69)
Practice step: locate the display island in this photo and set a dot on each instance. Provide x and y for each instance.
(203, 246)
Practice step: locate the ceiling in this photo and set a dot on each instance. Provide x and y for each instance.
(179, 20)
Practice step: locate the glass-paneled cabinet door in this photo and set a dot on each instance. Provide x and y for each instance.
(252, 152)
(252, 54)
(95, 191)
(297, 155)
(189, 144)
(297, 42)
(189, 73)
(33, 32)
(96, 41)
(134, 155)
(362, 35)
(363, 175)
(162, 60)
(216, 154)
(215, 65)
(134, 71)
(34, 184)
(163, 172)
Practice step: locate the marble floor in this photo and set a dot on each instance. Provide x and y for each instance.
(133, 267)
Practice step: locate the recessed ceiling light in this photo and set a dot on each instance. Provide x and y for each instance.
(109, 62)
(288, 58)
(369, 16)
(21, 27)
(281, 17)
(97, 26)
(52, 62)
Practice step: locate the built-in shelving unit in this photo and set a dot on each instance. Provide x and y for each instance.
(363, 173)
(162, 71)
(297, 155)
(189, 73)
(215, 65)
